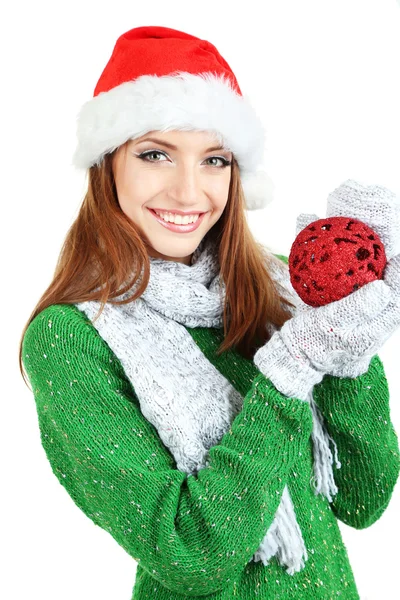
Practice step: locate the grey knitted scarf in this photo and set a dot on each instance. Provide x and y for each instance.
(189, 402)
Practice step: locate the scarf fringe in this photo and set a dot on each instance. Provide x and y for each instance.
(323, 480)
(284, 539)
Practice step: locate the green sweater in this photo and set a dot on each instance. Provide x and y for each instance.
(193, 536)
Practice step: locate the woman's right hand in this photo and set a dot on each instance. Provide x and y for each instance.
(317, 341)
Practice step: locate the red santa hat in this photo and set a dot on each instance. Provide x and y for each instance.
(163, 79)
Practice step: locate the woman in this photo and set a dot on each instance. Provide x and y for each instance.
(186, 398)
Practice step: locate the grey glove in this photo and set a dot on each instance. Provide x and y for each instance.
(340, 338)
(317, 341)
(374, 205)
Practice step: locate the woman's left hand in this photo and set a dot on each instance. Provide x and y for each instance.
(387, 323)
(379, 208)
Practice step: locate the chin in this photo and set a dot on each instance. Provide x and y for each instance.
(169, 252)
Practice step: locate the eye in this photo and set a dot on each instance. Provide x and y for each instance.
(148, 153)
(225, 161)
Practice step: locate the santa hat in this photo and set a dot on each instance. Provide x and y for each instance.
(163, 79)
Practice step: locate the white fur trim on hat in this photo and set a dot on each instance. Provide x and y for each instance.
(181, 101)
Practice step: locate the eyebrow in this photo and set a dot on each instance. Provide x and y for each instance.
(172, 147)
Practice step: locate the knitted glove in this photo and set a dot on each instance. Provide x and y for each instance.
(340, 338)
(319, 340)
(375, 205)
(379, 208)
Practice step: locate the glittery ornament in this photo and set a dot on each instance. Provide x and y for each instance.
(333, 257)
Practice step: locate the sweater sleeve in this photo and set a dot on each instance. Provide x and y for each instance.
(194, 534)
(357, 416)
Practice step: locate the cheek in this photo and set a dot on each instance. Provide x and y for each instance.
(220, 191)
(136, 188)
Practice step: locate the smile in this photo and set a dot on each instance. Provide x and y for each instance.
(178, 228)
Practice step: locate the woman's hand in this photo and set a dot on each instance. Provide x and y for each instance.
(375, 205)
(331, 339)
(383, 325)
(340, 338)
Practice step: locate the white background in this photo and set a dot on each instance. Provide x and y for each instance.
(324, 77)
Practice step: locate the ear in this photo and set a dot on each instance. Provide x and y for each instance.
(303, 220)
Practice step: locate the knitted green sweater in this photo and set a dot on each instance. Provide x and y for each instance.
(193, 537)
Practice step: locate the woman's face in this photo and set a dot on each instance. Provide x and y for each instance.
(173, 171)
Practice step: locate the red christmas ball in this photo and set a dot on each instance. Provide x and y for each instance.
(333, 257)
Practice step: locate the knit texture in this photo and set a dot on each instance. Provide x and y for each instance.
(193, 536)
(189, 402)
(328, 338)
(348, 332)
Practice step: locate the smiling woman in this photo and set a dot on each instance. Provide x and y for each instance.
(162, 409)
(154, 186)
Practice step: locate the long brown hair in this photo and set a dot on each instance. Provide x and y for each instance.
(103, 248)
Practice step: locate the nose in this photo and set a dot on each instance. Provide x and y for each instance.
(184, 188)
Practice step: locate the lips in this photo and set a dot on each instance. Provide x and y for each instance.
(178, 228)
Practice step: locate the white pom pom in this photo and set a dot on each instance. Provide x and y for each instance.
(258, 189)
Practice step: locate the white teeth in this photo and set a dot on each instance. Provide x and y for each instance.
(178, 219)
